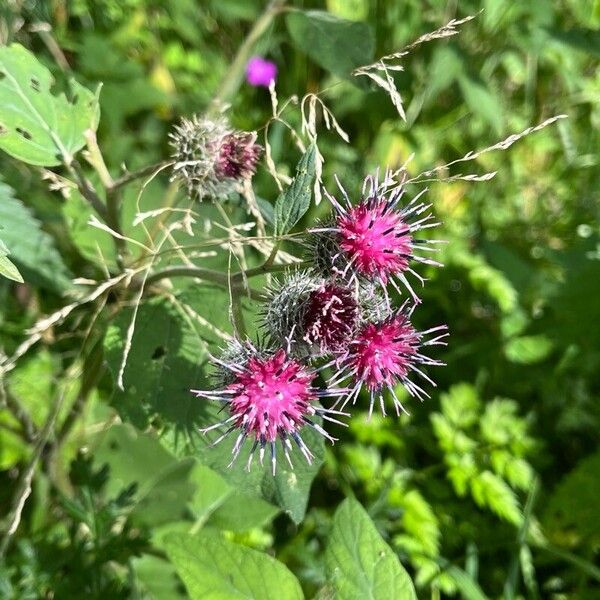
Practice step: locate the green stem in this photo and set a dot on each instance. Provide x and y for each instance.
(138, 174)
(221, 278)
(233, 78)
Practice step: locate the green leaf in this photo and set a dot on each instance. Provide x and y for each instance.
(468, 587)
(573, 508)
(528, 349)
(338, 45)
(213, 568)
(294, 202)
(482, 102)
(580, 38)
(36, 126)
(164, 363)
(158, 578)
(31, 248)
(222, 506)
(7, 268)
(163, 485)
(490, 491)
(360, 564)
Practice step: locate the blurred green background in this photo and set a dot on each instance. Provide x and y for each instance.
(489, 489)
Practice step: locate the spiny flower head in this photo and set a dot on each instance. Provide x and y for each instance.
(270, 395)
(318, 315)
(385, 353)
(375, 239)
(212, 159)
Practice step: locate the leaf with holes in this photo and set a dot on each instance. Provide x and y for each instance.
(360, 563)
(31, 248)
(213, 567)
(36, 126)
(291, 205)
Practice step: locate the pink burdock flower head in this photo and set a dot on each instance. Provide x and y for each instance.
(375, 239)
(211, 158)
(269, 395)
(260, 72)
(386, 353)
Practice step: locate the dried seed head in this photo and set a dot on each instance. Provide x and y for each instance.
(211, 159)
(317, 316)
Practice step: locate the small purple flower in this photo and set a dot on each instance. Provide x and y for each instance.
(260, 72)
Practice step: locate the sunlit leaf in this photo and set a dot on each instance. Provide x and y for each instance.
(360, 563)
(36, 126)
(215, 568)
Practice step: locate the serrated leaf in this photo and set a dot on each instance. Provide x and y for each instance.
(217, 569)
(292, 204)
(490, 491)
(36, 126)
(31, 248)
(360, 563)
(338, 45)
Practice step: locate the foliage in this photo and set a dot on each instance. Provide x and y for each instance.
(117, 289)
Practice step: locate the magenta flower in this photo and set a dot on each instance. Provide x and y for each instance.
(260, 72)
(269, 395)
(386, 353)
(375, 240)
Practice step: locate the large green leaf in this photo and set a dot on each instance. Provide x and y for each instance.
(164, 363)
(360, 563)
(163, 484)
(31, 248)
(292, 204)
(336, 44)
(213, 568)
(36, 126)
(573, 507)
